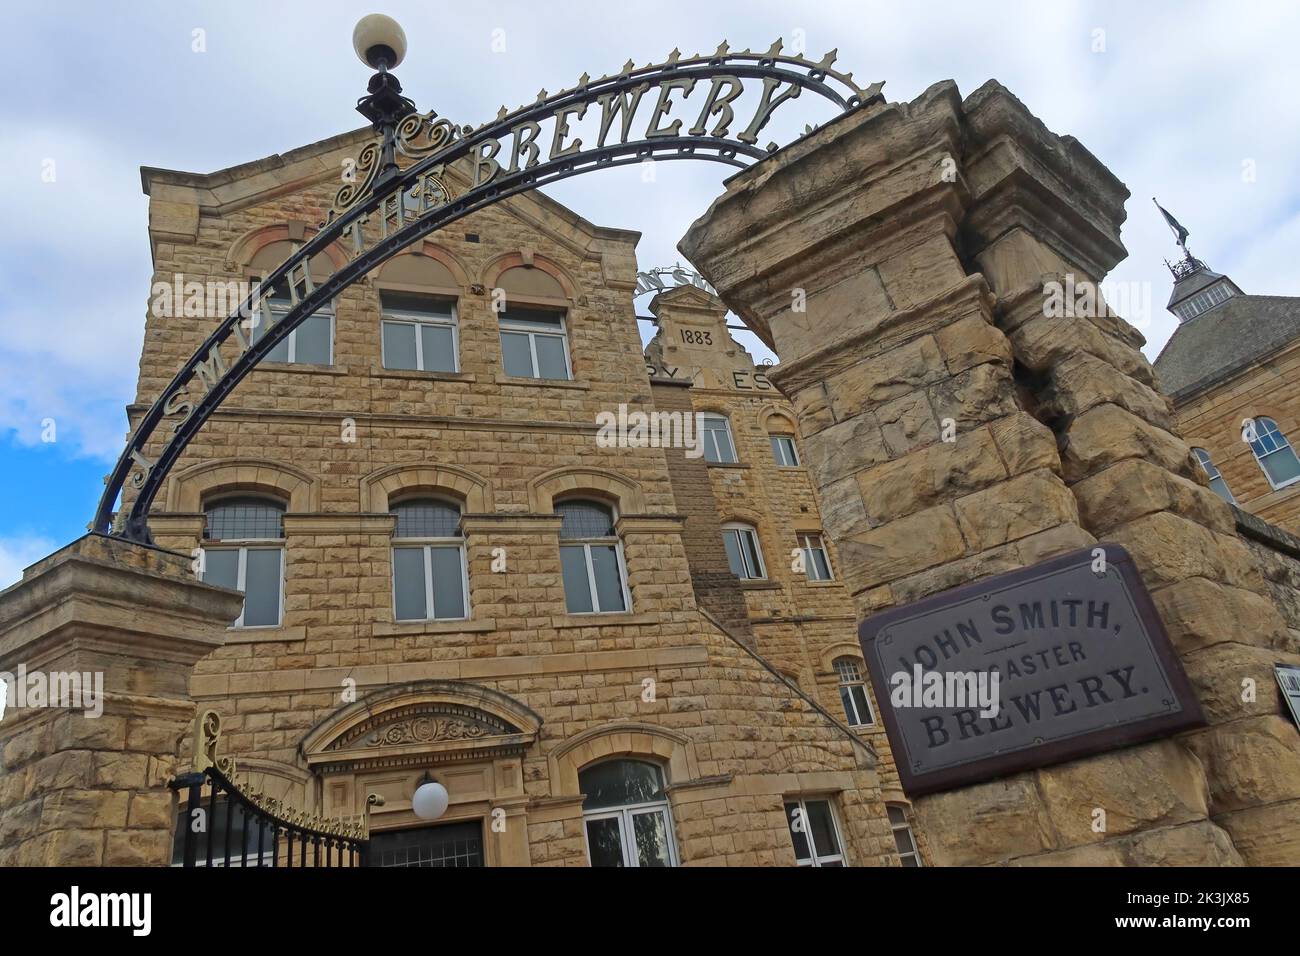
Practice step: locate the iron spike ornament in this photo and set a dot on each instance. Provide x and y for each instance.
(383, 208)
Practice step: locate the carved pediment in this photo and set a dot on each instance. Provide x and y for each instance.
(423, 724)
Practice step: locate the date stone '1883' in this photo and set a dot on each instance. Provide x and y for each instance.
(1077, 654)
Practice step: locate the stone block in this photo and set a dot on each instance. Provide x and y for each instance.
(1015, 509)
(1150, 785)
(1250, 762)
(985, 822)
(930, 475)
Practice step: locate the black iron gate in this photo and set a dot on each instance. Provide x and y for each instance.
(221, 823)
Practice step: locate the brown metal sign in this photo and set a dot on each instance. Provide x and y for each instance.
(1025, 669)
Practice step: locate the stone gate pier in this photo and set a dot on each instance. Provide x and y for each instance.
(898, 261)
(87, 784)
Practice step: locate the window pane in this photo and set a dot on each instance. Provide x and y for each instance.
(858, 692)
(822, 828)
(280, 353)
(448, 583)
(850, 705)
(798, 823)
(749, 541)
(584, 520)
(903, 840)
(221, 568)
(550, 356)
(399, 345)
(515, 355)
(243, 518)
(619, 782)
(604, 843)
(896, 816)
(439, 347)
(650, 830)
(1282, 465)
(910, 861)
(819, 569)
(312, 341)
(609, 578)
(577, 589)
(415, 305)
(408, 584)
(427, 518)
(731, 541)
(540, 319)
(262, 587)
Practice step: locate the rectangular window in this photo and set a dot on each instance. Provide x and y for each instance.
(718, 446)
(311, 343)
(445, 845)
(429, 583)
(903, 838)
(815, 833)
(534, 344)
(593, 578)
(419, 333)
(815, 562)
(257, 572)
(784, 452)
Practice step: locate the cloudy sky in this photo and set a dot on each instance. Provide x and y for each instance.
(1195, 103)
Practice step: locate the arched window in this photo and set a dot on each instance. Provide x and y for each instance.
(591, 557)
(429, 579)
(853, 692)
(719, 449)
(1272, 450)
(743, 553)
(1217, 484)
(625, 814)
(244, 549)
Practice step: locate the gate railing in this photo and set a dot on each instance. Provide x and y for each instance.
(224, 822)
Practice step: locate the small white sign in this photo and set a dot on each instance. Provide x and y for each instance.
(1288, 678)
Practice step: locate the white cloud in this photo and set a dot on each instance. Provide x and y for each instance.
(17, 553)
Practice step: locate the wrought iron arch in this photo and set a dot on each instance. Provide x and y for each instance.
(403, 206)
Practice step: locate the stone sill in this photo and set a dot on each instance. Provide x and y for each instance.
(791, 468)
(759, 585)
(737, 465)
(301, 368)
(265, 635)
(600, 620)
(421, 375)
(832, 583)
(402, 628)
(542, 382)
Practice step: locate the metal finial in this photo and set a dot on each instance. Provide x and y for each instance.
(722, 49)
(673, 57)
(828, 59)
(775, 49)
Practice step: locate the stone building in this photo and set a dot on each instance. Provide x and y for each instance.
(1230, 371)
(603, 653)
(617, 652)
